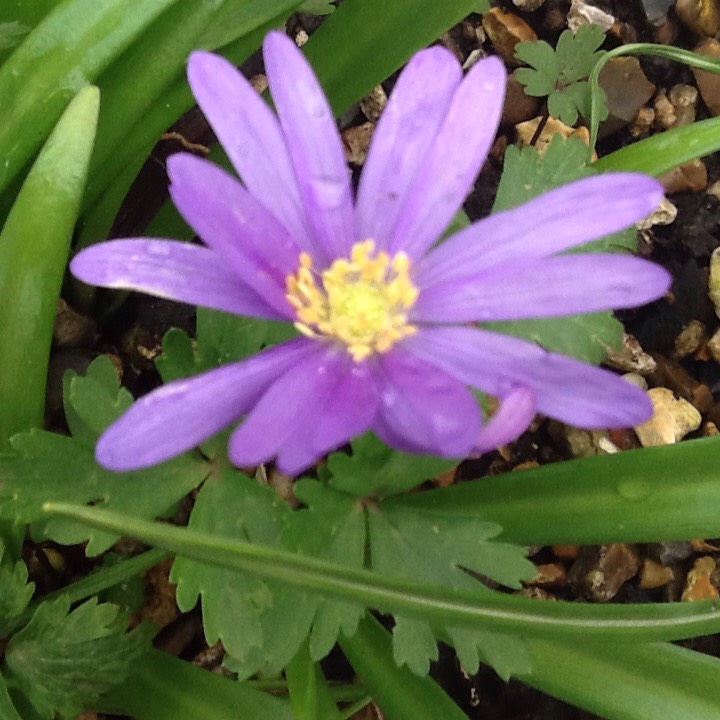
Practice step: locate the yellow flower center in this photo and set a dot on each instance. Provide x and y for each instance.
(363, 302)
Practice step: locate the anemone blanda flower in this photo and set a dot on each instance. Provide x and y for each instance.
(387, 340)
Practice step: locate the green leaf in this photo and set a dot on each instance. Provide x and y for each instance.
(443, 550)
(577, 53)
(310, 694)
(11, 34)
(34, 246)
(318, 7)
(527, 175)
(483, 610)
(633, 496)
(232, 505)
(375, 469)
(561, 105)
(162, 687)
(7, 709)
(63, 661)
(15, 593)
(542, 77)
(46, 465)
(68, 49)
(400, 694)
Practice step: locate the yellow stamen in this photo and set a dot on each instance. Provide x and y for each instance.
(362, 302)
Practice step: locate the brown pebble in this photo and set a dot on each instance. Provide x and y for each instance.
(709, 83)
(71, 330)
(550, 575)
(691, 175)
(566, 551)
(506, 30)
(159, 605)
(356, 141)
(518, 106)
(671, 374)
(598, 573)
(700, 16)
(699, 545)
(654, 575)
(374, 103)
(446, 478)
(626, 88)
(699, 584)
(691, 337)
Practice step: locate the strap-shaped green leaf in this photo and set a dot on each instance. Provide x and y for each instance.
(34, 245)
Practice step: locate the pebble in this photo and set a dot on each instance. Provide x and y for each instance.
(714, 280)
(549, 575)
(374, 103)
(700, 16)
(656, 10)
(637, 380)
(627, 89)
(518, 106)
(671, 374)
(665, 116)
(709, 83)
(713, 345)
(654, 575)
(664, 214)
(670, 552)
(699, 583)
(691, 337)
(582, 13)
(642, 122)
(598, 573)
(506, 30)
(71, 330)
(691, 175)
(525, 133)
(566, 551)
(528, 5)
(578, 443)
(673, 418)
(684, 99)
(630, 358)
(356, 141)
(714, 190)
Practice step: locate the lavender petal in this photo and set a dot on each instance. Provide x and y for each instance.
(178, 416)
(314, 144)
(222, 212)
(555, 221)
(454, 160)
(309, 410)
(423, 409)
(549, 287)
(566, 389)
(409, 123)
(510, 420)
(170, 269)
(250, 133)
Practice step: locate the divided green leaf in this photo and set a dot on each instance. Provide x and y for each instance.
(561, 74)
(46, 466)
(15, 593)
(63, 660)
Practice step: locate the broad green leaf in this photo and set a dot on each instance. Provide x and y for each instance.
(663, 151)
(310, 695)
(483, 610)
(400, 694)
(646, 495)
(11, 33)
(7, 709)
(540, 79)
(34, 245)
(63, 660)
(162, 687)
(375, 469)
(628, 681)
(15, 593)
(44, 465)
(577, 52)
(68, 49)
(562, 106)
(317, 7)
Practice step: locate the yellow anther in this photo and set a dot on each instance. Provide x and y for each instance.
(362, 302)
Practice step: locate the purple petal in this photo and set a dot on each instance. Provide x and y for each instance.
(423, 409)
(251, 135)
(511, 419)
(219, 209)
(555, 221)
(178, 416)
(454, 159)
(555, 286)
(566, 389)
(418, 105)
(314, 144)
(316, 406)
(170, 269)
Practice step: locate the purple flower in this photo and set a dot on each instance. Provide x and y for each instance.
(385, 315)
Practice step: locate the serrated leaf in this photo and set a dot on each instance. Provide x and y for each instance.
(375, 469)
(63, 661)
(507, 654)
(15, 593)
(44, 466)
(577, 53)
(441, 549)
(231, 505)
(8, 710)
(543, 77)
(562, 106)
